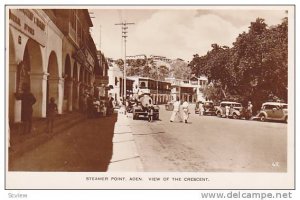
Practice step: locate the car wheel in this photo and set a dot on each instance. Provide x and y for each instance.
(262, 118)
(218, 114)
(234, 116)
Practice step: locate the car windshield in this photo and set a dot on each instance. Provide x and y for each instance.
(237, 105)
(275, 106)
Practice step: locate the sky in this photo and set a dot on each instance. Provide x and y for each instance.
(174, 33)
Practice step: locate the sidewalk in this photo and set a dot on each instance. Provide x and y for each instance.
(125, 155)
(21, 143)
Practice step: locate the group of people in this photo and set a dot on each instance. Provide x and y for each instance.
(93, 106)
(27, 101)
(97, 107)
(180, 110)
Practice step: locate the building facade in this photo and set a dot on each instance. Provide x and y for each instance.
(53, 52)
(116, 77)
(160, 90)
(188, 90)
(101, 82)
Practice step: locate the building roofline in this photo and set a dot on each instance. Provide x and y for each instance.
(147, 78)
(88, 17)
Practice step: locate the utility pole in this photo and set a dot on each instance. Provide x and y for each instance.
(124, 36)
(100, 38)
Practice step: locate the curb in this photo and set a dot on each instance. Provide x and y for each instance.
(125, 155)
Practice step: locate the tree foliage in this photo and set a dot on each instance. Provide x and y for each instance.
(180, 69)
(255, 68)
(146, 68)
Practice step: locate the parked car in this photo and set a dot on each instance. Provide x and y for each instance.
(273, 111)
(169, 106)
(235, 111)
(208, 106)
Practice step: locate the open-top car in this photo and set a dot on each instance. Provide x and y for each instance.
(141, 109)
(234, 109)
(273, 111)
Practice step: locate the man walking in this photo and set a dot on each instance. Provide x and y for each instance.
(28, 100)
(185, 111)
(176, 110)
(201, 108)
(250, 107)
(51, 114)
(110, 105)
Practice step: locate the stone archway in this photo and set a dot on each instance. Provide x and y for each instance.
(28, 71)
(68, 85)
(12, 78)
(82, 87)
(53, 78)
(35, 62)
(75, 95)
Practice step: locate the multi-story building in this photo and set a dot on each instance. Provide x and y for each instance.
(160, 58)
(101, 77)
(188, 90)
(135, 57)
(115, 81)
(52, 51)
(160, 90)
(161, 61)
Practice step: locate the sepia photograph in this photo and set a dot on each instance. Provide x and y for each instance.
(150, 97)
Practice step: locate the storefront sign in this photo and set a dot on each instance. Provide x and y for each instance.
(29, 23)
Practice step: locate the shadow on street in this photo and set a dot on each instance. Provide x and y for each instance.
(85, 147)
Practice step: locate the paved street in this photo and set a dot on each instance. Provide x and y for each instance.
(209, 143)
(119, 143)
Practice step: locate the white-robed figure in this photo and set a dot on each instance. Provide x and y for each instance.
(176, 111)
(185, 111)
(201, 108)
(227, 110)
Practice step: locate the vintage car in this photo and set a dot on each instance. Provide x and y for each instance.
(141, 109)
(208, 106)
(273, 111)
(234, 111)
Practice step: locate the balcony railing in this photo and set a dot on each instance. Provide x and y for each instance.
(72, 33)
